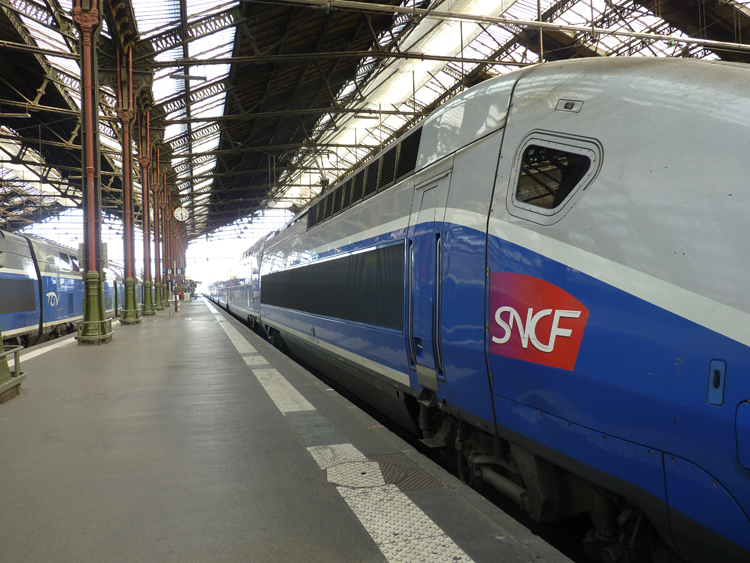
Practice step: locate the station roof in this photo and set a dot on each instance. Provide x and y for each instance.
(259, 105)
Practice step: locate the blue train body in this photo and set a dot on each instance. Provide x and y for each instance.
(549, 280)
(42, 290)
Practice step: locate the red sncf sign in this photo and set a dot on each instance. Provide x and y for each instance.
(535, 321)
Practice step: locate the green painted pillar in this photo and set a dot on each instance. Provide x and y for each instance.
(148, 299)
(159, 305)
(94, 329)
(130, 310)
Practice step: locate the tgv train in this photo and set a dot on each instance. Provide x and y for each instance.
(549, 280)
(42, 289)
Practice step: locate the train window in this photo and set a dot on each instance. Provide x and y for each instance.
(18, 295)
(347, 199)
(371, 184)
(358, 186)
(328, 202)
(388, 169)
(61, 261)
(366, 287)
(74, 264)
(407, 158)
(548, 176)
(312, 216)
(397, 162)
(550, 173)
(337, 200)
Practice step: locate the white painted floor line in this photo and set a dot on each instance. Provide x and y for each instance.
(242, 345)
(286, 397)
(255, 361)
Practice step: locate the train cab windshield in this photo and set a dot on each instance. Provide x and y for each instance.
(548, 176)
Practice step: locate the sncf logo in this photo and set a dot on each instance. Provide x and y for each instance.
(535, 321)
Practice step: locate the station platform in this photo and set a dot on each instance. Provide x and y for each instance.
(190, 438)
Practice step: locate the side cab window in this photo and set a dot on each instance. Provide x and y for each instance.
(62, 261)
(550, 173)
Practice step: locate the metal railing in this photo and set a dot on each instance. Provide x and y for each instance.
(16, 351)
(138, 313)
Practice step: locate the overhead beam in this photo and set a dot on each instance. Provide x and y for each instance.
(12, 46)
(311, 146)
(208, 203)
(250, 116)
(301, 57)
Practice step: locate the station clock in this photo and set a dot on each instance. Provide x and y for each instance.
(181, 214)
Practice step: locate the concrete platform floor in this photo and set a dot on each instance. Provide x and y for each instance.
(189, 438)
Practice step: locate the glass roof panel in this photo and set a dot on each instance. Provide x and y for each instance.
(414, 84)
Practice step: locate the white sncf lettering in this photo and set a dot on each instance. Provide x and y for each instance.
(528, 331)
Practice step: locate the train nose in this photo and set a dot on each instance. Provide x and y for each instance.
(742, 430)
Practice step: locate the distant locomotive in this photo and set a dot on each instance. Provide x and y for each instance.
(549, 280)
(42, 290)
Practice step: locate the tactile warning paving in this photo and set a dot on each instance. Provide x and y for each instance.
(396, 468)
(356, 474)
(404, 473)
(328, 456)
(440, 549)
(388, 515)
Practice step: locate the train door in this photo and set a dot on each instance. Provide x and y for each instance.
(425, 279)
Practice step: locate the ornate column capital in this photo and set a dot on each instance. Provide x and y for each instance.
(87, 20)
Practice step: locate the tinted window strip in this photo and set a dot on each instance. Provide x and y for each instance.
(367, 288)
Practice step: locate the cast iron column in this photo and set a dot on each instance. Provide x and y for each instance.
(170, 235)
(156, 188)
(93, 329)
(144, 157)
(164, 220)
(126, 113)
